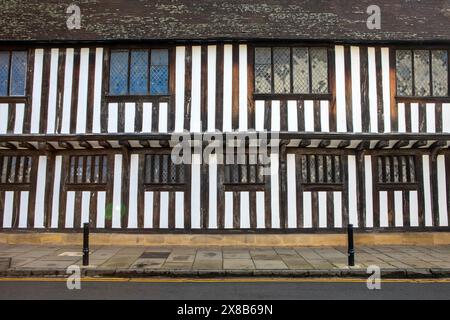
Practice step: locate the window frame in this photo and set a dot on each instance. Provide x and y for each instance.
(87, 186)
(244, 186)
(161, 186)
(28, 78)
(413, 98)
(389, 186)
(322, 187)
(21, 186)
(306, 96)
(138, 97)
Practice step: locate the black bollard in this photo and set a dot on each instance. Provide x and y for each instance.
(85, 244)
(351, 249)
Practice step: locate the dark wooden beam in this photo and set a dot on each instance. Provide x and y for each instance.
(65, 145)
(344, 144)
(85, 144)
(8, 145)
(304, 143)
(324, 143)
(27, 145)
(400, 144)
(419, 144)
(382, 144)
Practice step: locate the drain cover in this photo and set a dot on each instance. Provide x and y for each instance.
(154, 255)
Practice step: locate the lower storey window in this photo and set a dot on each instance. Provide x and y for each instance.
(398, 169)
(322, 170)
(15, 169)
(161, 170)
(90, 169)
(246, 169)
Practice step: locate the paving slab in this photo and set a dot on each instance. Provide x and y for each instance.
(238, 264)
(270, 264)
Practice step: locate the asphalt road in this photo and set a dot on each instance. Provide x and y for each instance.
(251, 289)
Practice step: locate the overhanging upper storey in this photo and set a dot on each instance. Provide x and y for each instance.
(104, 20)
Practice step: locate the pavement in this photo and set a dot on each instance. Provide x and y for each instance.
(300, 262)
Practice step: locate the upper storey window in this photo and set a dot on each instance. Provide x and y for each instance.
(139, 72)
(285, 70)
(422, 73)
(13, 73)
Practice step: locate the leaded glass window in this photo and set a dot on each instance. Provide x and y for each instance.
(439, 63)
(282, 70)
(263, 70)
(159, 72)
(159, 169)
(300, 64)
(404, 73)
(300, 70)
(15, 169)
(246, 169)
(88, 169)
(422, 73)
(397, 169)
(139, 72)
(321, 169)
(13, 73)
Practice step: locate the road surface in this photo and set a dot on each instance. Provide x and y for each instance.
(229, 289)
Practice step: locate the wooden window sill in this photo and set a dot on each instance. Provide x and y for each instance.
(409, 99)
(291, 96)
(8, 99)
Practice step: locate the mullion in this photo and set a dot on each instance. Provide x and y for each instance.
(8, 88)
(430, 59)
(413, 73)
(149, 66)
(8, 169)
(448, 73)
(272, 78)
(129, 72)
(98, 163)
(310, 71)
(291, 69)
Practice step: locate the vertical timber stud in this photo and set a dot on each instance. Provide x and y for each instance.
(434, 185)
(360, 189)
(393, 91)
(49, 188)
(332, 88)
(282, 174)
(125, 187)
(351, 249)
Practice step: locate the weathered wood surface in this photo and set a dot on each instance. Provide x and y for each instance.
(231, 19)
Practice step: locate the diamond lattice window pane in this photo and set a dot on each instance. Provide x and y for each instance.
(159, 72)
(440, 72)
(139, 72)
(300, 64)
(160, 57)
(404, 73)
(4, 70)
(159, 79)
(118, 83)
(319, 70)
(422, 73)
(263, 74)
(18, 73)
(282, 70)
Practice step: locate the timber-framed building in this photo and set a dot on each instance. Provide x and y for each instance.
(87, 115)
